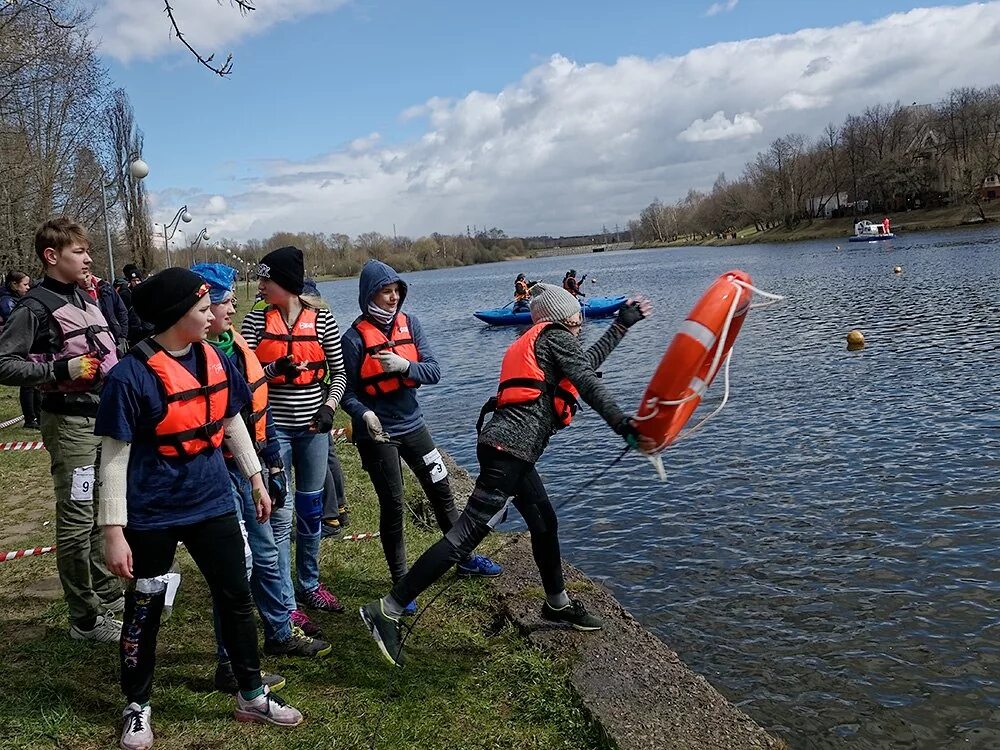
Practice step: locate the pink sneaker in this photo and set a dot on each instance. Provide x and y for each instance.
(320, 598)
(302, 621)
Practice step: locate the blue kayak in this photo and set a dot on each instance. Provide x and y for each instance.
(595, 307)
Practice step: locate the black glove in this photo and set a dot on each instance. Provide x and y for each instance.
(281, 367)
(277, 488)
(629, 315)
(627, 429)
(322, 420)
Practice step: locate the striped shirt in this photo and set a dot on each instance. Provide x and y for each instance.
(293, 407)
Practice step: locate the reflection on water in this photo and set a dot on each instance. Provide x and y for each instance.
(826, 551)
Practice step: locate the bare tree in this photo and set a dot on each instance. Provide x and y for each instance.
(125, 141)
(226, 67)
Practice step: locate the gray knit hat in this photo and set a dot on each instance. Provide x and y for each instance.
(552, 303)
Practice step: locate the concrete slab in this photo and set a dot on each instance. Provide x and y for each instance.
(633, 685)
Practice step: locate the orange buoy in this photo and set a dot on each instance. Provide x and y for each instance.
(690, 362)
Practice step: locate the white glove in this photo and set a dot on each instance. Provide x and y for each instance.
(393, 362)
(374, 426)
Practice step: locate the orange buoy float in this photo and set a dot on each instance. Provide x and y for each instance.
(693, 358)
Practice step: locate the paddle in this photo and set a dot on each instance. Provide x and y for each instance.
(514, 300)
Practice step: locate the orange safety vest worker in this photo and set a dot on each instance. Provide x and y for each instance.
(522, 381)
(373, 378)
(257, 380)
(195, 406)
(301, 343)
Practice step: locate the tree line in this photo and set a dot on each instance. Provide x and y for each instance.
(64, 133)
(888, 158)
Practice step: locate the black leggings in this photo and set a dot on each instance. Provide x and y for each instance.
(216, 545)
(31, 403)
(382, 462)
(500, 477)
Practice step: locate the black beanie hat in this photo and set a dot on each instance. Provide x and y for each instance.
(285, 268)
(165, 297)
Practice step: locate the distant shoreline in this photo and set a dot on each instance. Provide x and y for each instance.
(918, 220)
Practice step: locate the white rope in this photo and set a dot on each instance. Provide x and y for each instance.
(656, 457)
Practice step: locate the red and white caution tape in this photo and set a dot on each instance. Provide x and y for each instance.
(22, 445)
(5, 556)
(11, 421)
(359, 537)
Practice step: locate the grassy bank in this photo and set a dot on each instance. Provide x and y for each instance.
(839, 230)
(470, 682)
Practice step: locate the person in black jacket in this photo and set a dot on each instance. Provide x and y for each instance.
(111, 305)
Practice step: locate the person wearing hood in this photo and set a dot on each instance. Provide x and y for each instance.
(543, 375)
(16, 285)
(388, 357)
(296, 339)
(167, 411)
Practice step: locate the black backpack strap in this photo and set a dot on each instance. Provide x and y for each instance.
(488, 408)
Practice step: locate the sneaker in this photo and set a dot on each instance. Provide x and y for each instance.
(117, 607)
(301, 620)
(267, 709)
(137, 732)
(32, 425)
(344, 516)
(225, 680)
(410, 609)
(574, 614)
(298, 644)
(385, 631)
(331, 527)
(105, 630)
(478, 565)
(320, 598)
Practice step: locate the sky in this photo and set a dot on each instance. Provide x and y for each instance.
(553, 117)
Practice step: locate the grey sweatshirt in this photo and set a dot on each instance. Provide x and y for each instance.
(523, 430)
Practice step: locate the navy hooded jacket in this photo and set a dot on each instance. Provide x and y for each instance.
(398, 411)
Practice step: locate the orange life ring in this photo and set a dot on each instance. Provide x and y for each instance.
(685, 372)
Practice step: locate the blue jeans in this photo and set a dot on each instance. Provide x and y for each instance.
(265, 573)
(305, 452)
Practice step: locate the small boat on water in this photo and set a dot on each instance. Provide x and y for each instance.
(595, 307)
(866, 231)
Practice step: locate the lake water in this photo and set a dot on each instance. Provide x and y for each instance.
(825, 552)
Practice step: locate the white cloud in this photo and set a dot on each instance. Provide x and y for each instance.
(139, 29)
(719, 128)
(570, 146)
(215, 205)
(721, 7)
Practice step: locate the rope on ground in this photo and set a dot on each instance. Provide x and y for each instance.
(22, 445)
(12, 421)
(362, 535)
(5, 556)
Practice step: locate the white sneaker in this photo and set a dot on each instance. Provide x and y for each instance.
(267, 709)
(106, 630)
(115, 608)
(137, 732)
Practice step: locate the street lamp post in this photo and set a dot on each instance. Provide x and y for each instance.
(182, 215)
(202, 235)
(138, 169)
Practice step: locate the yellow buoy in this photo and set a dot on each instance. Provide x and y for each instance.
(855, 340)
(897, 269)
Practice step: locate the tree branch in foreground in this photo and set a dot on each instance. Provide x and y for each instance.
(223, 70)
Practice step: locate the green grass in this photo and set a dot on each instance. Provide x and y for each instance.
(470, 681)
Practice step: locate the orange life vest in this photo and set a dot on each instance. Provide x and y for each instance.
(374, 380)
(521, 290)
(195, 406)
(302, 343)
(522, 381)
(256, 422)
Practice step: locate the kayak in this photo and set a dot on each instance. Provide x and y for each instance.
(595, 307)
